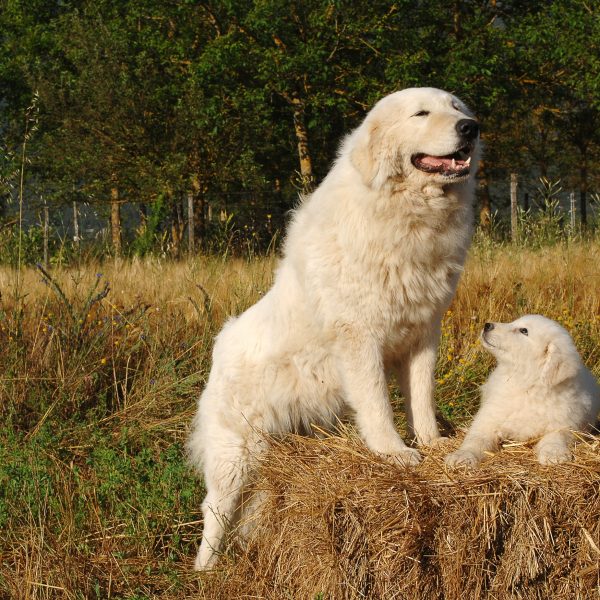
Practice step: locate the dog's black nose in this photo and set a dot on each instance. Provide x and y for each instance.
(468, 129)
(488, 327)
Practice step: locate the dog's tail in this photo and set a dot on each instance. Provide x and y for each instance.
(196, 442)
(195, 445)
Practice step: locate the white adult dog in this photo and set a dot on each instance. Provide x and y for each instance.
(371, 261)
(539, 390)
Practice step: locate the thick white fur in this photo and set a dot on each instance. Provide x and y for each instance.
(540, 390)
(370, 264)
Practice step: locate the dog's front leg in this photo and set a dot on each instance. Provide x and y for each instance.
(416, 380)
(364, 385)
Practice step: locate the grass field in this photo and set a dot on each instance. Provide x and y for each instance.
(97, 388)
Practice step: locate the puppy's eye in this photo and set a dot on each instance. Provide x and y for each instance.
(524, 331)
(421, 113)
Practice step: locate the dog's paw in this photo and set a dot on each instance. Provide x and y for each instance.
(205, 559)
(554, 454)
(406, 457)
(436, 442)
(201, 566)
(462, 458)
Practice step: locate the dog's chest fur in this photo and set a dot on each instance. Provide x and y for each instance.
(386, 263)
(413, 254)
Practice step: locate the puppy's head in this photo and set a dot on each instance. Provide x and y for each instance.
(420, 135)
(534, 346)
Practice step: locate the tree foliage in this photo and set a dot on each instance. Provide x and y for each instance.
(240, 105)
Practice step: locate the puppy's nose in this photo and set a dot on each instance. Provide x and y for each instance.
(468, 129)
(488, 327)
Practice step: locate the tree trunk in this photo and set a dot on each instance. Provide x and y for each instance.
(143, 208)
(177, 227)
(456, 21)
(115, 221)
(306, 171)
(199, 196)
(485, 203)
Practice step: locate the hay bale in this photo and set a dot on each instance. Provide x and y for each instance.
(340, 523)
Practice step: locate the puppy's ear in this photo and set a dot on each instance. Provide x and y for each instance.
(365, 154)
(558, 366)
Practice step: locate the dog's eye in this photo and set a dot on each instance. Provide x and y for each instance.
(524, 331)
(421, 113)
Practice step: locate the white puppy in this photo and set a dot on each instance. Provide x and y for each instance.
(539, 390)
(371, 261)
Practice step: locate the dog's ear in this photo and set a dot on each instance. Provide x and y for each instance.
(558, 366)
(366, 152)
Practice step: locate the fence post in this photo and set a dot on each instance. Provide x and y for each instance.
(76, 237)
(115, 221)
(572, 210)
(514, 225)
(46, 234)
(190, 216)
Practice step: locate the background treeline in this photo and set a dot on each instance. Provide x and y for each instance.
(146, 112)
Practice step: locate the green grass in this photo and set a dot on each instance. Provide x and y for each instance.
(69, 510)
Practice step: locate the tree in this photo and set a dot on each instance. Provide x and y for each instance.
(237, 106)
(559, 48)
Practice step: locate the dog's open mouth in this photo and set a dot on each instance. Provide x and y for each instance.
(457, 164)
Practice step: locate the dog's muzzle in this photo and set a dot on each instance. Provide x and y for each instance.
(468, 129)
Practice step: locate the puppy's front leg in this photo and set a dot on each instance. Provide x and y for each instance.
(479, 439)
(553, 448)
(365, 389)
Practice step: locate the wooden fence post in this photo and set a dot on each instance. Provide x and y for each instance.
(190, 216)
(572, 211)
(115, 221)
(514, 225)
(46, 234)
(76, 237)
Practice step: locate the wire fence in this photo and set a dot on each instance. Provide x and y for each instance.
(533, 215)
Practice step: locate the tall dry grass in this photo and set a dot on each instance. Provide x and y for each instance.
(231, 284)
(96, 396)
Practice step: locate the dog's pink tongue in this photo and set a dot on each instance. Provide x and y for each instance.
(433, 161)
(440, 161)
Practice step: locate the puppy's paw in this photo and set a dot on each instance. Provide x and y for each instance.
(462, 458)
(554, 454)
(406, 457)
